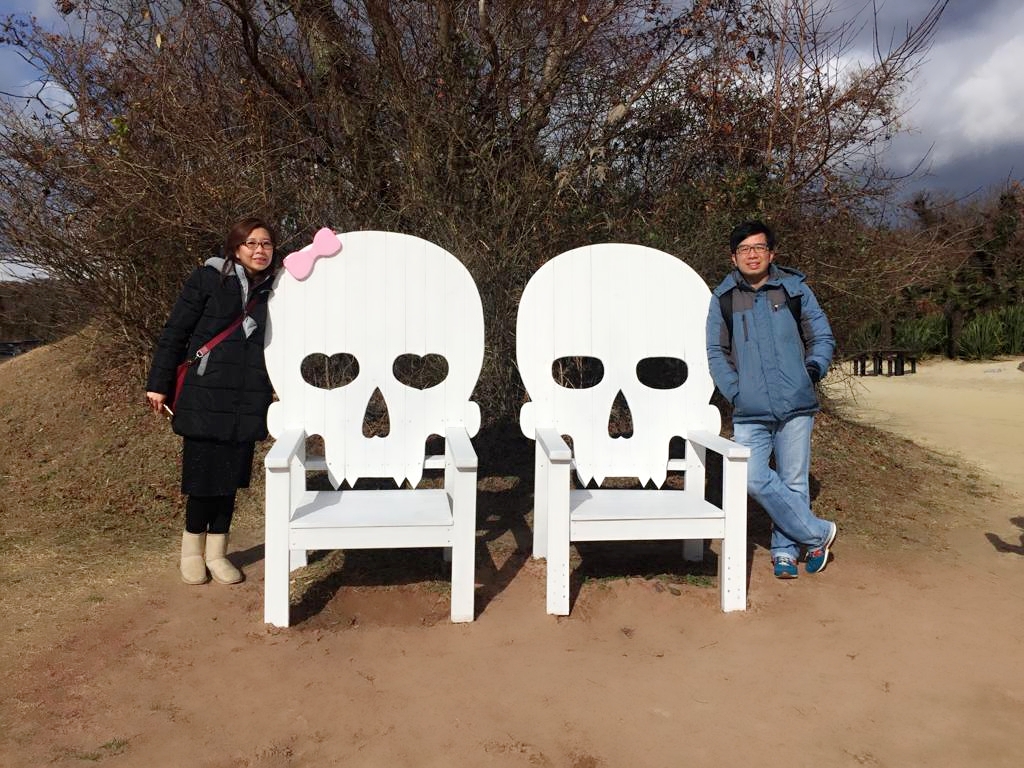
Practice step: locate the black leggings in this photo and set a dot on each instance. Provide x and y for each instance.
(209, 514)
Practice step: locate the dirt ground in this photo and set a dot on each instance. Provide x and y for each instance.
(974, 410)
(905, 653)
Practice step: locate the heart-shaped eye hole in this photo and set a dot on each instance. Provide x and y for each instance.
(577, 372)
(420, 372)
(325, 372)
(661, 372)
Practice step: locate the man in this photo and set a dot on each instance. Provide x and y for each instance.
(769, 343)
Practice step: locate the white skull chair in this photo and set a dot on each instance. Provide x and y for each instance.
(375, 296)
(624, 304)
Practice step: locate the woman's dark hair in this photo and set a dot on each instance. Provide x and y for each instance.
(239, 233)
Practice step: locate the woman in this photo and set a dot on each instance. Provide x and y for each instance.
(222, 408)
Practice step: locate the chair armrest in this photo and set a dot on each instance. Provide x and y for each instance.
(556, 449)
(284, 449)
(460, 448)
(720, 445)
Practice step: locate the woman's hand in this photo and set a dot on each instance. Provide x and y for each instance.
(156, 400)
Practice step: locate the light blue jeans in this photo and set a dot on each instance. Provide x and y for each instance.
(783, 492)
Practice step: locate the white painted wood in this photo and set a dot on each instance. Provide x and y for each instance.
(554, 446)
(297, 486)
(460, 487)
(612, 504)
(276, 566)
(552, 458)
(621, 304)
(542, 481)
(383, 295)
(366, 509)
(732, 563)
(317, 463)
(459, 450)
(718, 444)
(377, 537)
(558, 528)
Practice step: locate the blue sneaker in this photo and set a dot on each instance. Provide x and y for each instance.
(817, 558)
(785, 567)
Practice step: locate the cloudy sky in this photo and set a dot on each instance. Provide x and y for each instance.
(967, 101)
(965, 109)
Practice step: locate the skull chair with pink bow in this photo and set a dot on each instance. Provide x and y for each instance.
(638, 316)
(353, 318)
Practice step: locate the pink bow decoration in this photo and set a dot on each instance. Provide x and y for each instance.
(300, 264)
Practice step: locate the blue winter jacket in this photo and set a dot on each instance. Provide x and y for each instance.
(766, 370)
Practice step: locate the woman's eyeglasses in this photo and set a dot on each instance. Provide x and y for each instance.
(253, 245)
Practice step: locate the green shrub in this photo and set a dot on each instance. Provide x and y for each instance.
(982, 338)
(1013, 326)
(921, 335)
(865, 337)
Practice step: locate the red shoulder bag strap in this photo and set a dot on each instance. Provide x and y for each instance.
(204, 350)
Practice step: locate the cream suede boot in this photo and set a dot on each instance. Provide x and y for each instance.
(193, 568)
(220, 567)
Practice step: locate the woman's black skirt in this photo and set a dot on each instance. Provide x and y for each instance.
(214, 468)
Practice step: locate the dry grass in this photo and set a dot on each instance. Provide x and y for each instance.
(89, 500)
(890, 491)
(88, 495)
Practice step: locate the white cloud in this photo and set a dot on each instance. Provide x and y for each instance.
(20, 83)
(16, 76)
(965, 107)
(989, 102)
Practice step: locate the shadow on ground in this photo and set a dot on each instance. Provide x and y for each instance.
(505, 543)
(1004, 546)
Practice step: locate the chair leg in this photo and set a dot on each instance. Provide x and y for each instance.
(732, 573)
(275, 550)
(732, 564)
(463, 550)
(540, 504)
(463, 586)
(558, 561)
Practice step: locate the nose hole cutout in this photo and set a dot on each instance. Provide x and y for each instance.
(662, 372)
(376, 422)
(420, 372)
(577, 372)
(323, 372)
(620, 419)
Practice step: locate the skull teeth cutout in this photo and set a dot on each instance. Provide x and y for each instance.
(639, 312)
(392, 324)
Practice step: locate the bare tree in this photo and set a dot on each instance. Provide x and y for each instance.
(505, 132)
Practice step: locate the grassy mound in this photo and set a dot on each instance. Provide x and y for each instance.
(89, 499)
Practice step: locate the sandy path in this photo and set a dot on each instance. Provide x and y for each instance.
(906, 657)
(891, 662)
(971, 410)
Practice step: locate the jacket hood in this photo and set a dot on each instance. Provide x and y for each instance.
(790, 279)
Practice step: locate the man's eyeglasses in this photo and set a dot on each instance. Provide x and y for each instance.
(253, 245)
(758, 248)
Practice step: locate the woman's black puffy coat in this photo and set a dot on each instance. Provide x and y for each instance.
(229, 401)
